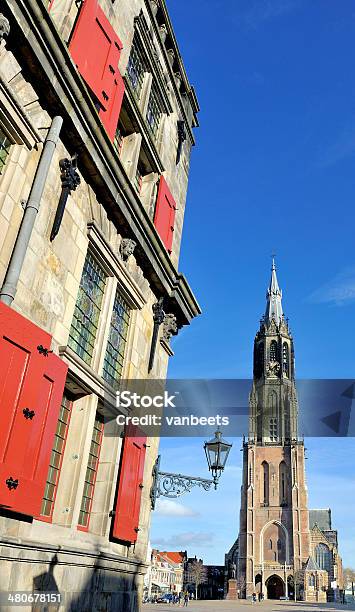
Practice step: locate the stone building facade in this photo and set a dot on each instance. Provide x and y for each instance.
(278, 552)
(99, 294)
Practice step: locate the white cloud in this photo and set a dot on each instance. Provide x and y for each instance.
(338, 291)
(262, 11)
(166, 507)
(185, 540)
(342, 147)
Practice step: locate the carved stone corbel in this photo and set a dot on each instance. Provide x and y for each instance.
(158, 318)
(4, 27)
(4, 30)
(171, 56)
(154, 6)
(181, 138)
(178, 79)
(163, 32)
(170, 327)
(127, 247)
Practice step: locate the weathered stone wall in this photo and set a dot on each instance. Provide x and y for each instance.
(92, 571)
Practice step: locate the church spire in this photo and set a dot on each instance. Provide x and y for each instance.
(273, 297)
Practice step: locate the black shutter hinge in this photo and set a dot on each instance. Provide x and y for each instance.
(43, 351)
(28, 414)
(11, 483)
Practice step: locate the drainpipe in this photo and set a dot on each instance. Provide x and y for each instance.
(9, 287)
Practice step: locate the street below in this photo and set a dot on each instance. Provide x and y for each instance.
(266, 606)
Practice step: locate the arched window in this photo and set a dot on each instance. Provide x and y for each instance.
(285, 359)
(323, 557)
(311, 580)
(265, 491)
(273, 350)
(282, 483)
(270, 544)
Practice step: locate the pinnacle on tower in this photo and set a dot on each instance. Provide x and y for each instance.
(274, 298)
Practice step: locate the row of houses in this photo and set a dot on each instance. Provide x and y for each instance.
(174, 572)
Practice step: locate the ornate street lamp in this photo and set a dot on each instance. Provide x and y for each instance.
(217, 451)
(168, 484)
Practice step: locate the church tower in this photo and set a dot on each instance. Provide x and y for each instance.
(274, 537)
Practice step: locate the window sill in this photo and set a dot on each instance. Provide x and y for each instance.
(82, 379)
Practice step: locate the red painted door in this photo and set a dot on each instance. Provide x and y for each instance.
(126, 518)
(31, 389)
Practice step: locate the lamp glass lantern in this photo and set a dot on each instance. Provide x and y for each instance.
(217, 451)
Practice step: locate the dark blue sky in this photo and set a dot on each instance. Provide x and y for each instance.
(273, 170)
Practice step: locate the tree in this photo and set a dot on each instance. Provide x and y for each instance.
(241, 584)
(197, 573)
(349, 578)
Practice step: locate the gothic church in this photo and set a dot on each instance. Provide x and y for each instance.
(284, 549)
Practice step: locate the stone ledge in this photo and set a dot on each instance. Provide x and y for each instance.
(68, 555)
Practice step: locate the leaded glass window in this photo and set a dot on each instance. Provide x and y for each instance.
(136, 70)
(153, 112)
(5, 145)
(323, 557)
(91, 472)
(113, 362)
(56, 459)
(87, 310)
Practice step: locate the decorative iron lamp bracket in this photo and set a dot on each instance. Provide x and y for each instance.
(167, 484)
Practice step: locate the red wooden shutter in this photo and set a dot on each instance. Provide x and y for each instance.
(31, 389)
(164, 217)
(126, 518)
(96, 48)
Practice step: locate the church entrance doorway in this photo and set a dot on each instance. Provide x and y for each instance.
(275, 587)
(258, 584)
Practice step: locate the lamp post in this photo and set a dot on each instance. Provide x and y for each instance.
(217, 451)
(171, 485)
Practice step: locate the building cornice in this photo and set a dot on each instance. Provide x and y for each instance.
(45, 57)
